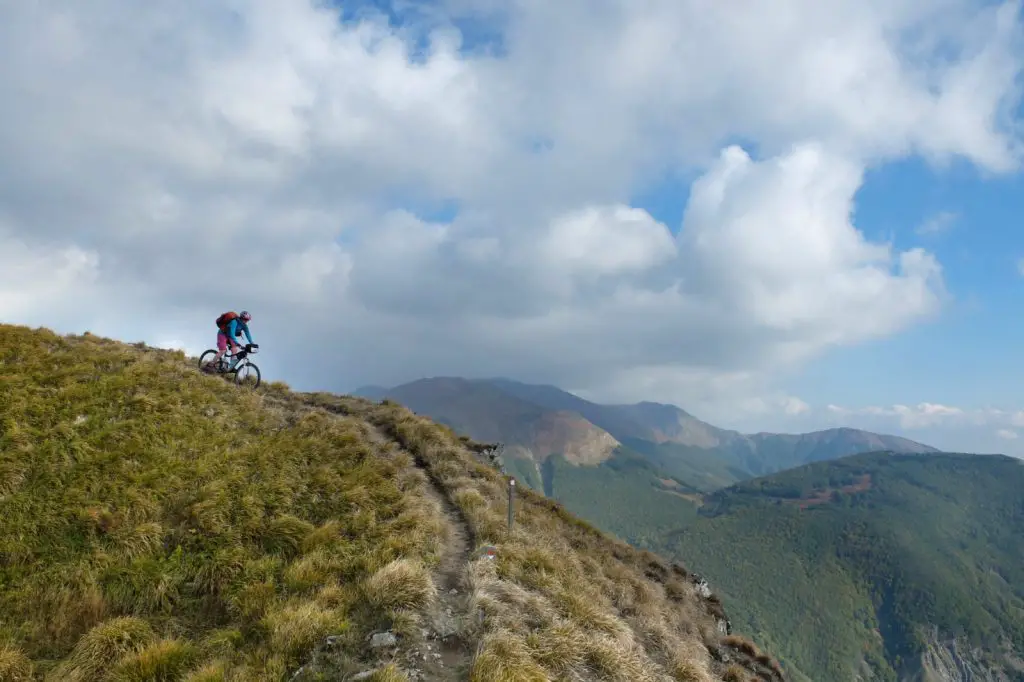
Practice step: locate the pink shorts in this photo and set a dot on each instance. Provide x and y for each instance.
(222, 341)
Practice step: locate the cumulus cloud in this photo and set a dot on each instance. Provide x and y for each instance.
(163, 161)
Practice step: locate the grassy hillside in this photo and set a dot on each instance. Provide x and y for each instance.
(625, 495)
(872, 562)
(158, 523)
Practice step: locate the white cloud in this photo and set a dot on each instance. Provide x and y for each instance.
(1007, 434)
(926, 415)
(161, 162)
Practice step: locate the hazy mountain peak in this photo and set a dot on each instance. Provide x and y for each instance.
(516, 413)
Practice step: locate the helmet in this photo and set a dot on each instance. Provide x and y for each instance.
(245, 315)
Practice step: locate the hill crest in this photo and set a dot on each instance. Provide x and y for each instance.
(162, 523)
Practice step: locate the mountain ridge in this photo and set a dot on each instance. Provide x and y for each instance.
(684, 446)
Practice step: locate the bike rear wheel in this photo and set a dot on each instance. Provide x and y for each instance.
(206, 357)
(248, 375)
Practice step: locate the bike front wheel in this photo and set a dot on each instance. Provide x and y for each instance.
(248, 375)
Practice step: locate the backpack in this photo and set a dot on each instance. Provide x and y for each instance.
(224, 319)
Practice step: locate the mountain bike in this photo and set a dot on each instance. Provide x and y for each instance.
(245, 370)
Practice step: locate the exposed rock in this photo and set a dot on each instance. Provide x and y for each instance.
(953, 660)
(381, 640)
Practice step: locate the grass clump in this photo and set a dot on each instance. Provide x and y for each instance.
(159, 523)
(107, 642)
(14, 665)
(167, 659)
(402, 584)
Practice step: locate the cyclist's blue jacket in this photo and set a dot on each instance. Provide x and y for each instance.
(238, 324)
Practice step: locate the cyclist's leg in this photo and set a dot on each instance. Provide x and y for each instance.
(235, 349)
(222, 347)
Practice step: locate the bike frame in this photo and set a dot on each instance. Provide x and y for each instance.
(241, 355)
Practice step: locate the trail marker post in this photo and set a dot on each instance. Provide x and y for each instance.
(511, 501)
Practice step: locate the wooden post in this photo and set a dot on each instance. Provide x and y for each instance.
(511, 499)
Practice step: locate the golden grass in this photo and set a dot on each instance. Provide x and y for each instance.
(167, 659)
(561, 600)
(14, 665)
(402, 584)
(162, 524)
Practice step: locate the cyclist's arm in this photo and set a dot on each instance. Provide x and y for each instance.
(245, 328)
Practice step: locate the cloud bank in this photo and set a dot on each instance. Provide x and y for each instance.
(393, 201)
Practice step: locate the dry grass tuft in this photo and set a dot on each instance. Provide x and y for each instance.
(742, 644)
(402, 584)
(560, 648)
(14, 665)
(214, 671)
(736, 673)
(102, 646)
(167, 659)
(296, 629)
(504, 657)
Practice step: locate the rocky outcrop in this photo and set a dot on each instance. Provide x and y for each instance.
(954, 660)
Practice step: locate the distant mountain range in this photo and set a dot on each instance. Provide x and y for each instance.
(535, 422)
(852, 555)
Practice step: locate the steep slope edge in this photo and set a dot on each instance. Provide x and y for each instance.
(559, 598)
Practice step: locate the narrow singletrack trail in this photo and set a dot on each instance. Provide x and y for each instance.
(443, 654)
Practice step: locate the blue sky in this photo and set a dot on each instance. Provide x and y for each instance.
(727, 212)
(972, 353)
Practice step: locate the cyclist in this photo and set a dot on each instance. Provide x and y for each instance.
(230, 325)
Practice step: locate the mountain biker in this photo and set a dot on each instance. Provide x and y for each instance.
(230, 325)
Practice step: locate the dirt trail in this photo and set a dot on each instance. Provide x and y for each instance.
(443, 654)
(449, 617)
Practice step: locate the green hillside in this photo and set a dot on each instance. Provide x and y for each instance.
(874, 562)
(157, 523)
(624, 495)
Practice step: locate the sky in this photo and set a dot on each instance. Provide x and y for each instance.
(779, 215)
